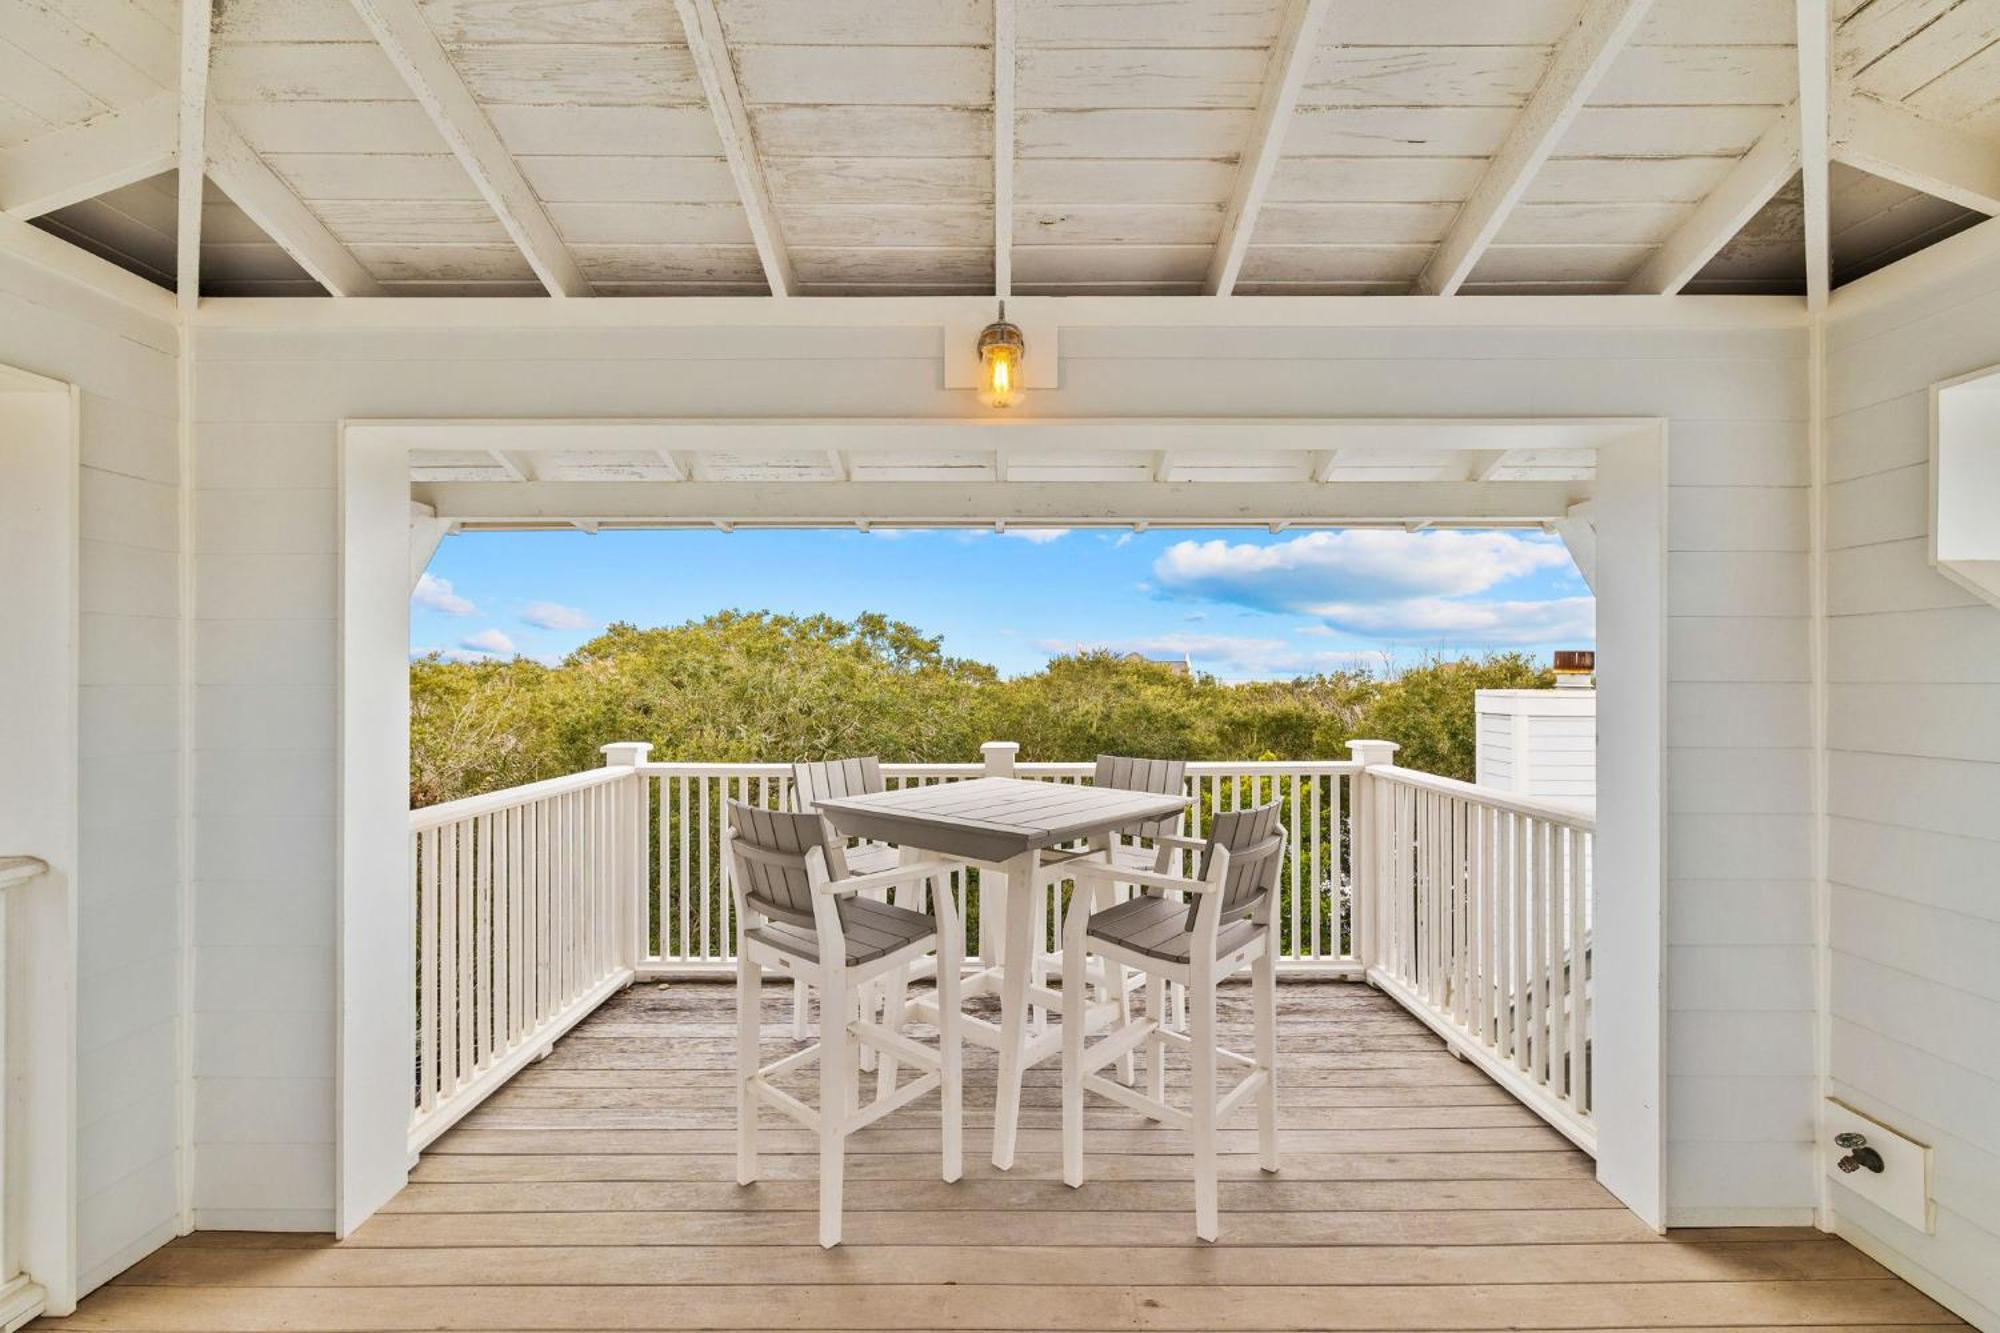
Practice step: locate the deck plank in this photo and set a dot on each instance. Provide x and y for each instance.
(597, 1192)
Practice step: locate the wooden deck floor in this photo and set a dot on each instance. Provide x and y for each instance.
(597, 1192)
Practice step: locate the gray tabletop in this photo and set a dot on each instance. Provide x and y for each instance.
(993, 819)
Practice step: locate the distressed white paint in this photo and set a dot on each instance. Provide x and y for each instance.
(51, 171)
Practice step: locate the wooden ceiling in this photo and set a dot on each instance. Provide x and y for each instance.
(848, 147)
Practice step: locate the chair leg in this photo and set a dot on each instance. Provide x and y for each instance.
(836, 1100)
(801, 1027)
(1264, 981)
(951, 1055)
(895, 993)
(749, 1002)
(1038, 969)
(1201, 1003)
(1076, 967)
(1156, 1045)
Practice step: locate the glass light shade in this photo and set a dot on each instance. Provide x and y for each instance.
(1001, 349)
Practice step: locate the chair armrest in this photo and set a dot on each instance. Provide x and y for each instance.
(913, 873)
(1176, 840)
(1097, 871)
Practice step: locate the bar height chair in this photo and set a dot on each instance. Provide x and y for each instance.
(795, 917)
(1223, 927)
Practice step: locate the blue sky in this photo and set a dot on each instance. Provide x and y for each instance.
(1241, 604)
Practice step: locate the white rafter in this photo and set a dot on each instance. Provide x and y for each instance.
(399, 28)
(270, 203)
(1579, 62)
(1291, 58)
(1761, 173)
(1924, 154)
(710, 49)
(1003, 148)
(1815, 88)
(71, 165)
(197, 18)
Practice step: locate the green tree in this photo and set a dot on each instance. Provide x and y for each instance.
(1429, 710)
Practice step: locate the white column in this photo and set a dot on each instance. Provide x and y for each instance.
(998, 756)
(1367, 827)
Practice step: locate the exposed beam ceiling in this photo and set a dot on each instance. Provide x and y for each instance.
(63, 168)
(1928, 155)
(1578, 64)
(1291, 59)
(1761, 173)
(709, 47)
(1003, 147)
(197, 19)
(270, 203)
(1815, 87)
(399, 27)
(1026, 503)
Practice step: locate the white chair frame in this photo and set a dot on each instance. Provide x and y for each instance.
(1199, 976)
(841, 988)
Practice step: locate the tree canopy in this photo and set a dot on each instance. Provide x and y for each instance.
(758, 686)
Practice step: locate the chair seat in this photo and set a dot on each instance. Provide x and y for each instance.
(1156, 927)
(869, 857)
(873, 930)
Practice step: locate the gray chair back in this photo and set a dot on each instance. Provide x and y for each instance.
(831, 779)
(770, 848)
(1161, 777)
(1256, 843)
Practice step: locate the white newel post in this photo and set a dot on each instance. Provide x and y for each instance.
(633, 845)
(1367, 834)
(998, 756)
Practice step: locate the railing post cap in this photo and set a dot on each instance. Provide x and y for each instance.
(999, 757)
(1373, 752)
(993, 747)
(626, 754)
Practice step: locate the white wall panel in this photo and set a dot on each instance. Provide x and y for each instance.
(128, 886)
(1914, 777)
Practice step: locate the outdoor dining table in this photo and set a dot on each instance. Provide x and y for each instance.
(1002, 826)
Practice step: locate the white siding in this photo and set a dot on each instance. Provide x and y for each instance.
(1914, 781)
(129, 712)
(269, 403)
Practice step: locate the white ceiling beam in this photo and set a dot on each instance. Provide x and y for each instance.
(1815, 41)
(401, 31)
(1035, 504)
(1291, 59)
(1003, 147)
(710, 49)
(1577, 65)
(50, 253)
(270, 203)
(1481, 464)
(72, 165)
(197, 20)
(1758, 175)
(1324, 463)
(1924, 154)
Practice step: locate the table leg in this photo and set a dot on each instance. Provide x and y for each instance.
(1016, 955)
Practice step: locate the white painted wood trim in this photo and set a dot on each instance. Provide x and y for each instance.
(1929, 155)
(197, 18)
(404, 35)
(270, 203)
(1578, 64)
(1004, 70)
(1967, 252)
(1291, 60)
(709, 47)
(63, 168)
(34, 246)
(1761, 173)
(1815, 41)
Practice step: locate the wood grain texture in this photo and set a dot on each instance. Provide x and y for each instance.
(575, 1226)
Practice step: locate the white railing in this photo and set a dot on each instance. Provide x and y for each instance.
(1480, 925)
(1469, 906)
(524, 924)
(689, 927)
(21, 1298)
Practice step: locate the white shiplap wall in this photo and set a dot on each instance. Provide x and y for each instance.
(128, 909)
(1913, 784)
(1740, 1030)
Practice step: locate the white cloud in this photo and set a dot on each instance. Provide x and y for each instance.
(1423, 587)
(1227, 655)
(488, 642)
(1039, 536)
(554, 615)
(435, 594)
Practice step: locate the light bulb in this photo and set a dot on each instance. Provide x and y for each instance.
(1001, 348)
